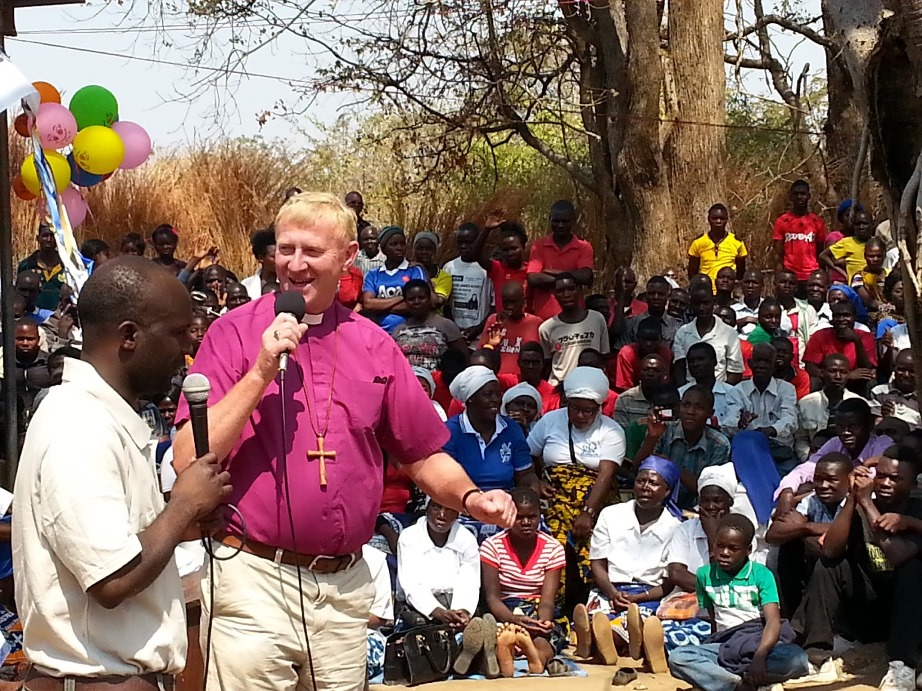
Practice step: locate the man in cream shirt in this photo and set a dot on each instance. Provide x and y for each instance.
(97, 588)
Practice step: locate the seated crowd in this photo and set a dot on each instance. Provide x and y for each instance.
(718, 479)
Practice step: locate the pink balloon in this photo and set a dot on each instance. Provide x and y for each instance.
(76, 206)
(56, 126)
(137, 143)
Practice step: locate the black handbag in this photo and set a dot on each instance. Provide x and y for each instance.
(420, 655)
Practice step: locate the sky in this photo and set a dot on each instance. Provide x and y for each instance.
(100, 43)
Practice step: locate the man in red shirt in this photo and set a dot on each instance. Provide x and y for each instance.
(626, 366)
(559, 252)
(798, 236)
(509, 329)
(511, 265)
(858, 346)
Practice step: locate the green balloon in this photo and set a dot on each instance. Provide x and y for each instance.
(94, 105)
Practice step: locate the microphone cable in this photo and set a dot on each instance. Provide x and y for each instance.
(291, 524)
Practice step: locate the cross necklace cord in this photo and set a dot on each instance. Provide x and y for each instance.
(321, 454)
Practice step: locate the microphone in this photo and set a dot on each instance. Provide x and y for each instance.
(289, 302)
(196, 388)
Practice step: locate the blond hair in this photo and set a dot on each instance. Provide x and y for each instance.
(309, 208)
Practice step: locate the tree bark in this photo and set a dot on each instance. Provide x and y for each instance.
(695, 154)
(642, 174)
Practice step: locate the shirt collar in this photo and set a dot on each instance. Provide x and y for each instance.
(403, 266)
(549, 242)
(700, 444)
(84, 376)
(468, 428)
(660, 527)
(891, 389)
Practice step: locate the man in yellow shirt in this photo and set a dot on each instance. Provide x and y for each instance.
(848, 253)
(717, 248)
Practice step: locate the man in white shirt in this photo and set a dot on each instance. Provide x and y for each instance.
(765, 404)
(815, 410)
(263, 244)
(708, 329)
(471, 298)
(702, 364)
(97, 586)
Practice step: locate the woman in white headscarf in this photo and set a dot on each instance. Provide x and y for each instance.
(427, 381)
(577, 451)
(522, 403)
(489, 446)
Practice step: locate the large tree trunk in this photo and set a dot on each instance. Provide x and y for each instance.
(844, 121)
(642, 174)
(695, 154)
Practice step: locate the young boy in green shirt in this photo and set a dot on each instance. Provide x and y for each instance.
(741, 597)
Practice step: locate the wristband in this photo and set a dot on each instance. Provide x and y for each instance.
(467, 496)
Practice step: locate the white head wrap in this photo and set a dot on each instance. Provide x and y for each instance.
(723, 476)
(586, 382)
(519, 390)
(423, 373)
(470, 381)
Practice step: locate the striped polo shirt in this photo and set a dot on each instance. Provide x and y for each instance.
(517, 579)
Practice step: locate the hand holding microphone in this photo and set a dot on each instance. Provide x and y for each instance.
(283, 335)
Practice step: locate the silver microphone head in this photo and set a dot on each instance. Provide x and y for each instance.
(196, 388)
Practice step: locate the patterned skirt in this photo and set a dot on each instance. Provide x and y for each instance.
(689, 630)
(572, 484)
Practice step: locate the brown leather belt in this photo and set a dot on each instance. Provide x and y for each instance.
(318, 563)
(35, 681)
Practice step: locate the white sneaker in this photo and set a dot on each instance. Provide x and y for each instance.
(899, 677)
(826, 673)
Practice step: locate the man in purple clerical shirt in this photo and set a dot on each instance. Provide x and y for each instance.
(349, 393)
(854, 437)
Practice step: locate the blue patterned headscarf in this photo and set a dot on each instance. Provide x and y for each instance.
(669, 471)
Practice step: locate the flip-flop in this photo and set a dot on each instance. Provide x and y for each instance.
(654, 645)
(583, 631)
(634, 631)
(604, 642)
(557, 667)
(471, 644)
(490, 665)
(624, 676)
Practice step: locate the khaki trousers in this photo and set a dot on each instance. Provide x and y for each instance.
(257, 637)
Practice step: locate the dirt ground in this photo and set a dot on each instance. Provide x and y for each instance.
(863, 668)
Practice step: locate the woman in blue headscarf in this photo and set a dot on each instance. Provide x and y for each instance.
(628, 557)
(838, 292)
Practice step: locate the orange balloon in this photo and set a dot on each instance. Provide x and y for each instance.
(19, 188)
(21, 124)
(47, 92)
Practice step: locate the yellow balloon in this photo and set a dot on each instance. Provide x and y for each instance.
(60, 171)
(98, 150)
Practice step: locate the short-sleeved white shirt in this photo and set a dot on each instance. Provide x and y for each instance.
(87, 486)
(723, 338)
(632, 555)
(603, 440)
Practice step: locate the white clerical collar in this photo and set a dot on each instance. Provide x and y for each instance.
(312, 319)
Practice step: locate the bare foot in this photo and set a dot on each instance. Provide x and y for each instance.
(583, 631)
(604, 641)
(634, 631)
(654, 645)
(527, 646)
(505, 652)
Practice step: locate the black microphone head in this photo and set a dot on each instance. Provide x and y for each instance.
(196, 387)
(290, 302)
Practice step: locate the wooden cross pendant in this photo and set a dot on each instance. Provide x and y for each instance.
(321, 454)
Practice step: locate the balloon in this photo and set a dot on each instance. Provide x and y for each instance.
(76, 206)
(47, 92)
(98, 150)
(137, 143)
(79, 177)
(21, 124)
(20, 190)
(56, 126)
(60, 170)
(94, 105)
